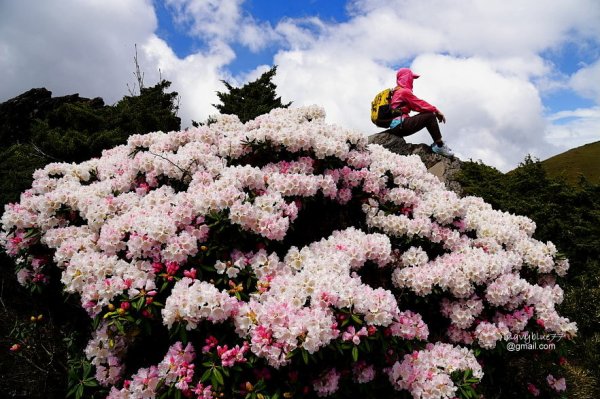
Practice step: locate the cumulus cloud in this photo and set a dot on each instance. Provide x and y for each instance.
(585, 81)
(71, 46)
(497, 28)
(575, 127)
(208, 18)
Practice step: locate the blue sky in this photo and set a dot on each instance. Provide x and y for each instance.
(513, 77)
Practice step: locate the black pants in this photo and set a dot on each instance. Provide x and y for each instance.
(417, 122)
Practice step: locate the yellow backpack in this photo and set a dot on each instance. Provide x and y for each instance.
(381, 111)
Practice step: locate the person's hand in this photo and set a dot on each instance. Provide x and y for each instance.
(440, 117)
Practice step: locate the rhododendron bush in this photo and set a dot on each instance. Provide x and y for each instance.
(281, 258)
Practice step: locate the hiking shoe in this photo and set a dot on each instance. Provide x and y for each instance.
(442, 150)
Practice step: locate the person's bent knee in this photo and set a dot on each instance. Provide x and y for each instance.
(428, 115)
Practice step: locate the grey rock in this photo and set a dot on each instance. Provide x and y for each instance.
(444, 168)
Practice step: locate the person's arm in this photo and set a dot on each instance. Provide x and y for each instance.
(414, 103)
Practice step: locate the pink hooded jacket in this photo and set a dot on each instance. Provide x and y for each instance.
(403, 96)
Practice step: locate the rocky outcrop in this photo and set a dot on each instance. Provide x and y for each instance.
(18, 113)
(444, 168)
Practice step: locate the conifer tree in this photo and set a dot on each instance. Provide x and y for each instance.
(37, 129)
(252, 99)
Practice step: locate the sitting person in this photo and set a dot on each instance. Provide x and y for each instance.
(404, 101)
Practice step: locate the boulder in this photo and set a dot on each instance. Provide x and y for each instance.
(444, 168)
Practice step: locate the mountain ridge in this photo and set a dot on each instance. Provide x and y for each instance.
(576, 162)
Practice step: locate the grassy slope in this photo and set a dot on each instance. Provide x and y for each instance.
(584, 160)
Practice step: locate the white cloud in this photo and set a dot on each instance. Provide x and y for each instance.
(196, 77)
(215, 19)
(71, 46)
(586, 81)
(575, 128)
(500, 28)
(255, 35)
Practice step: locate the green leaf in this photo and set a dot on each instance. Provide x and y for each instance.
(207, 268)
(304, 356)
(79, 392)
(90, 382)
(120, 327)
(218, 376)
(31, 233)
(207, 375)
(356, 319)
(164, 286)
(87, 367)
(137, 305)
(367, 345)
(355, 354)
(72, 390)
(183, 334)
(72, 375)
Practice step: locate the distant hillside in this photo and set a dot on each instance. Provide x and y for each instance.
(584, 160)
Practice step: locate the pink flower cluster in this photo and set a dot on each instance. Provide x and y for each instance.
(327, 384)
(426, 374)
(462, 313)
(176, 369)
(409, 325)
(559, 385)
(230, 357)
(362, 372)
(193, 301)
(105, 351)
(138, 233)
